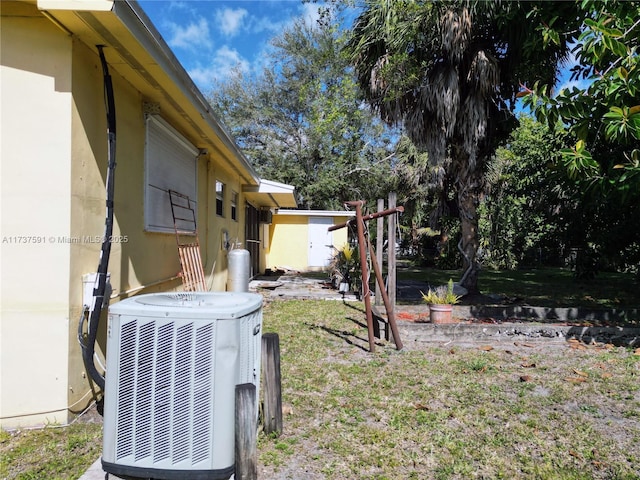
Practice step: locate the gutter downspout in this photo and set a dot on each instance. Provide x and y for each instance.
(88, 346)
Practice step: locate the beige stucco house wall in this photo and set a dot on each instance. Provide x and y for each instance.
(53, 172)
(300, 240)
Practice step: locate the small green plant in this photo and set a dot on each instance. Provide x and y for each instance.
(345, 266)
(442, 295)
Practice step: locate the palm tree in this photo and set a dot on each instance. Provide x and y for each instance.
(449, 73)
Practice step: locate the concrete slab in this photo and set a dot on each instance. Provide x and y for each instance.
(95, 472)
(462, 333)
(296, 287)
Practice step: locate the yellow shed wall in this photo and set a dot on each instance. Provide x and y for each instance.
(340, 237)
(289, 241)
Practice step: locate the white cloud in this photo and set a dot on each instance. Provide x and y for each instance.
(230, 56)
(192, 36)
(230, 21)
(267, 24)
(309, 12)
(223, 63)
(277, 23)
(179, 6)
(249, 28)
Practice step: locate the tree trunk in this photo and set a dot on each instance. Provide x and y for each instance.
(468, 245)
(468, 197)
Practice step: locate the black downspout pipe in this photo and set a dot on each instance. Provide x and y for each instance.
(88, 347)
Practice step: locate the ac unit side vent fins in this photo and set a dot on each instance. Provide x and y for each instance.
(203, 393)
(126, 381)
(165, 392)
(163, 389)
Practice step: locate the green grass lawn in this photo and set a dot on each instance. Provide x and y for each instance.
(518, 411)
(515, 411)
(51, 453)
(547, 287)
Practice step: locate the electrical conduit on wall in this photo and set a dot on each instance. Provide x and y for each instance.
(88, 345)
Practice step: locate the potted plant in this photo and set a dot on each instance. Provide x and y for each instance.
(441, 301)
(344, 268)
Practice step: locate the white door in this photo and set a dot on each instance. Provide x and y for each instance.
(320, 250)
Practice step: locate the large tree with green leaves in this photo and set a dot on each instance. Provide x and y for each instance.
(600, 113)
(449, 73)
(601, 109)
(301, 120)
(529, 206)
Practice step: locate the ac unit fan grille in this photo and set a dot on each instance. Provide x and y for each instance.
(165, 390)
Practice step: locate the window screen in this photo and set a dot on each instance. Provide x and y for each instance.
(234, 206)
(219, 198)
(170, 164)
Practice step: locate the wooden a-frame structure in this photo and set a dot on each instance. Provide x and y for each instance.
(366, 248)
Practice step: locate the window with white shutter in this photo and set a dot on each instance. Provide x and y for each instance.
(170, 164)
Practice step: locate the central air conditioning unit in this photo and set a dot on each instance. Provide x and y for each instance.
(173, 362)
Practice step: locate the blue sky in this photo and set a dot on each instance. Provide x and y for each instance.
(211, 37)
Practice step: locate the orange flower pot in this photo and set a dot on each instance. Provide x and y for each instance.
(441, 313)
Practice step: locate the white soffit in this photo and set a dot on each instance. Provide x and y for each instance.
(271, 194)
(317, 213)
(269, 186)
(77, 5)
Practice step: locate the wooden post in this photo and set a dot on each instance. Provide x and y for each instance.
(272, 383)
(391, 253)
(365, 218)
(364, 271)
(246, 441)
(390, 313)
(379, 245)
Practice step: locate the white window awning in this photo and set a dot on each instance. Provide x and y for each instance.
(271, 194)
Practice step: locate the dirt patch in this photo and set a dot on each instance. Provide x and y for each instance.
(91, 415)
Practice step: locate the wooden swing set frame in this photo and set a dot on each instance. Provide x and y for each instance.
(365, 247)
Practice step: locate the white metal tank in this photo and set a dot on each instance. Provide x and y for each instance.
(239, 270)
(173, 361)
